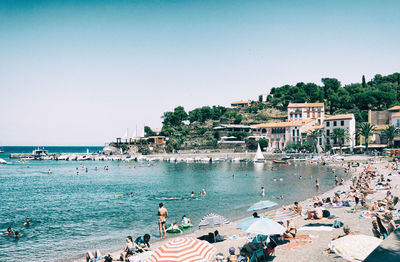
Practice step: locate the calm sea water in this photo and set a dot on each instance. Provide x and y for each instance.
(75, 213)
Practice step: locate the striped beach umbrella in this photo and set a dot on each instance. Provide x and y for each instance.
(354, 247)
(281, 215)
(262, 205)
(212, 220)
(185, 249)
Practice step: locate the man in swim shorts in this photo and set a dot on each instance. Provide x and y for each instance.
(162, 219)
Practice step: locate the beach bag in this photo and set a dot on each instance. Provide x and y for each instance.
(337, 224)
(326, 213)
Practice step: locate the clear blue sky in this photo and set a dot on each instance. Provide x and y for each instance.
(81, 72)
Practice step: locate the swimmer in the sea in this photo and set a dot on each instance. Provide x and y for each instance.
(9, 231)
(27, 222)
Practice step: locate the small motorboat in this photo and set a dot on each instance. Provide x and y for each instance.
(280, 161)
(2, 161)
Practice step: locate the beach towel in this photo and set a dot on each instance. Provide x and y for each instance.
(318, 228)
(333, 207)
(299, 237)
(294, 244)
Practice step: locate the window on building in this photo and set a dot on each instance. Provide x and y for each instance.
(328, 123)
(334, 123)
(320, 141)
(342, 122)
(293, 131)
(298, 132)
(327, 133)
(398, 123)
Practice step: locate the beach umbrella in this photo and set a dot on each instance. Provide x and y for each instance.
(281, 215)
(212, 220)
(262, 205)
(185, 249)
(354, 247)
(262, 226)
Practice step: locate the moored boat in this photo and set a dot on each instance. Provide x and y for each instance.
(259, 157)
(280, 161)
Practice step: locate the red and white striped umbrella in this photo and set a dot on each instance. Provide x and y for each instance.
(188, 249)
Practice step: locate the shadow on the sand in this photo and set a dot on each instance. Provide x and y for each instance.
(388, 250)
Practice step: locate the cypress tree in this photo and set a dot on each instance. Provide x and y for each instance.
(364, 84)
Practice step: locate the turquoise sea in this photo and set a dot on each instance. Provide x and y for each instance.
(93, 210)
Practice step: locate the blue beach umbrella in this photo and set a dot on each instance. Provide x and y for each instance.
(262, 226)
(262, 205)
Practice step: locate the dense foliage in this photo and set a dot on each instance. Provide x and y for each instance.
(380, 93)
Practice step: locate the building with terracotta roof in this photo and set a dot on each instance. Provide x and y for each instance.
(240, 104)
(395, 119)
(344, 121)
(394, 109)
(281, 133)
(300, 111)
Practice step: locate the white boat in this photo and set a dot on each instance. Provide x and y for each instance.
(259, 157)
(39, 153)
(2, 161)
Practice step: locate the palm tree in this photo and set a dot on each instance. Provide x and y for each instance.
(367, 130)
(340, 136)
(390, 132)
(314, 135)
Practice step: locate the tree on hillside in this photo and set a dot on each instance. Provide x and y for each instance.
(148, 131)
(364, 84)
(174, 118)
(340, 136)
(331, 86)
(390, 132)
(366, 130)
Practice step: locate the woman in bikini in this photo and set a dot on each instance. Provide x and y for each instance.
(291, 230)
(129, 249)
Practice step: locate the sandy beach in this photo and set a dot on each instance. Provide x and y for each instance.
(313, 249)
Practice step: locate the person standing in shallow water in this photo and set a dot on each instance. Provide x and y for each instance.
(162, 219)
(262, 191)
(317, 183)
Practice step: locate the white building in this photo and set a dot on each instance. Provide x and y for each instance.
(302, 111)
(395, 120)
(279, 134)
(344, 121)
(240, 104)
(263, 98)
